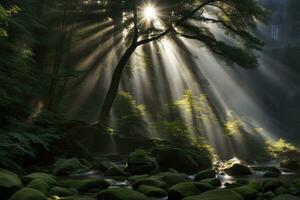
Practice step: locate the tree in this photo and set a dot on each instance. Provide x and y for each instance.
(190, 19)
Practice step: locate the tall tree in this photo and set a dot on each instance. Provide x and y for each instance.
(191, 19)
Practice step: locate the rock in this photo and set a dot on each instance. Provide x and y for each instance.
(281, 190)
(237, 170)
(9, 183)
(121, 194)
(104, 165)
(209, 173)
(172, 178)
(266, 169)
(271, 175)
(85, 185)
(47, 178)
(28, 194)
(76, 198)
(141, 162)
(226, 194)
(204, 186)
(40, 185)
(290, 164)
(248, 191)
(272, 184)
(286, 197)
(212, 181)
(151, 182)
(188, 161)
(269, 195)
(293, 190)
(116, 171)
(152, 191)
(138, 177)
(61, 192)
(182, 190)
(63, 167)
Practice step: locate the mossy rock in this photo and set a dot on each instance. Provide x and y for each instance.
(76, 198)
(266, 169)
(138, 177)
(271, 175)
(290, 164)
(121, 194)
(248, 191)
(269, 195)
(40, 185)
(28, 194)
(212, 181)
(9, 183)
(237, 170)
(226, 194)
(141, 162)
(204, 186)
(151, 182)
(188, 161)
(172, 178)
(48, 178)
(209, 173)
(152, 191)
(182, 190)
(281, 190)
(62, 192)
(85, 185)
(64, 167)
(116, 171)
(272, 184)
(286, 197)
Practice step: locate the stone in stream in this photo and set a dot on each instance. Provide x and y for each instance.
(226, 194)
(249, 191)
(237, 170)
(62, 192)
(40, 185)
(151, 182)
(116, 171)
(212, 181)
(121, 194)
(290, 164)
(151, 191)
(85, 185)
(281, 190)
(182, 190)
(271, 184)
(286, 197)
(63, 167)
(209, 173)
(50, 179)
(28, 194)
(9, 183)
(271, 175)
(172, 178)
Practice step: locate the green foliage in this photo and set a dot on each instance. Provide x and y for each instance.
(281, 148)
(233, 125)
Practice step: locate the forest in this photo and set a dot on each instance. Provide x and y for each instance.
(149, 100)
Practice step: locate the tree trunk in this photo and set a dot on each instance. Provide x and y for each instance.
(114, 85)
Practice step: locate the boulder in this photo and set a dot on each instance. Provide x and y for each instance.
(290, 164)
(77, 198)
(116, 171)
(141, 162)
(138, 177)
(209, 173)
(226, 194)
(47, 178)
(62, 192)
(182, 190)
(269, 195)
(188, 161)
(40, 185)
(237, 170)
(9, 183)
(151, 182)
(248, 191)
(271, 175)
(85, 185)
(172, 178)
(281, 190)
(204, 186)
(152, 191)
(266, 169)
(28, 194)
(121, 194)
(271, 184)
(63, 167)
(212, 181)
(286, 197)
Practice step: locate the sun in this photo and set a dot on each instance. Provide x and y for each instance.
(149, 12)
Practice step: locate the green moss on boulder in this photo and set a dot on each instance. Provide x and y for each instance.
(209, 173)
(286, 197)
(141, 162)
(62, 192)
(69, 166)
(151, 182)
(172, 178)
(28, 194)
(217, 195)
(212, 181)
(121, 194)
(116, 171)
(152, 191)
(40, 185)
(182, 190)
(85, 185)
(48, 178)
(9, 183)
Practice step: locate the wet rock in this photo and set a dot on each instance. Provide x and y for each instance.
(62, 192)
(248, 191)
(141, 162)
(116, 171)
(286, 197)
(266, 169)
(271, 175)
(272, 184)
(151, 191)
(281, 190)
(69, 166)
(28, 194)
(209, 173)
(290, 164)
(48, 178)
(269, 195)
(121, 194)
(138, 177)
(217, 195)
(237, 170)
(9, 183)
(151, 182)
(85, 185)
(212, 181)
(182, 190)
(204, 186)
(40, 185)
(172, 178)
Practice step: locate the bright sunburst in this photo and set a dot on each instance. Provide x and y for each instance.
(149, 12)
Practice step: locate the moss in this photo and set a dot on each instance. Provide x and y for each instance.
(68, 166)
(28, 194)
(138, 177)
(212, 181)
(172, 178)
(84, 185)
(121, 194)
(9, 183)
(182, 190)
(272, 184)
(151, 182)
(76, 198)
(48, 178)
(40, 185)
(151, 191)
(209, 173)
(60, 191)
(217, 195)
(204, 186)
(247, 191)
(141, 162)
(281, 190)
(286, 197)
(116, 171)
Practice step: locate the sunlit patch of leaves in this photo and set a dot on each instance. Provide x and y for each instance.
(281, 148)
(233, 125)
